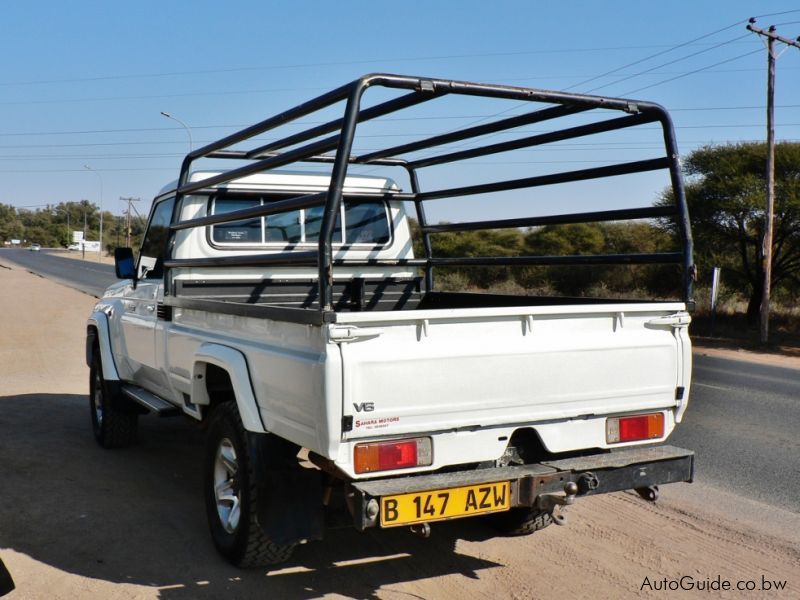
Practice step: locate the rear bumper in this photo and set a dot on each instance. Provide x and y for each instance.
(623, 469)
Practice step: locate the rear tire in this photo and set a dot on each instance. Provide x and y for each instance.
(520, 521)
(112, 428)
(231, 494)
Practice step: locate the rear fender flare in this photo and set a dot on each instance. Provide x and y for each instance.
(98, 335)
(235, 364)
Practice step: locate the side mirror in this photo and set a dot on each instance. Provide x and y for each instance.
(124, 265)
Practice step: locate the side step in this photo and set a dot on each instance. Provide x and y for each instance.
(151, 402)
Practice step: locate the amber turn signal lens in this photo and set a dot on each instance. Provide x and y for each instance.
(635, 428)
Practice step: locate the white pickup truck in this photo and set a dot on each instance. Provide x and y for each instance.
(286, 309)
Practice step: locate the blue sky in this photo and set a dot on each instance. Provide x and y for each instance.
(83, 83)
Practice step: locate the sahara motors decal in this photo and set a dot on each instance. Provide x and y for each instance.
(376, 423)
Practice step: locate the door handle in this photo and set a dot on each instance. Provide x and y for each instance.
(676, 321)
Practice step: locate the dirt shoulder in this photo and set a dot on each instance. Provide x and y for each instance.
(80, 522)
(788, 358)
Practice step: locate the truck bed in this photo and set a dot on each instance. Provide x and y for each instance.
(366, 294)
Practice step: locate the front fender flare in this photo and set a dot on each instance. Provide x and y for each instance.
(98, 334)
(235, 364)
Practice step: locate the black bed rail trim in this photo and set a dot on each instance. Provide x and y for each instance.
(261, 311)
(310, 259)
(304, 258)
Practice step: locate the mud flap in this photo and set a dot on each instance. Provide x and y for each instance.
(6, 583)
(289, 496)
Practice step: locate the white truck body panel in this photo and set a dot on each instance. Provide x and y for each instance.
(466, 377)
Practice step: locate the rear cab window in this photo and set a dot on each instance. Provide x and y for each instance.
(364, 224)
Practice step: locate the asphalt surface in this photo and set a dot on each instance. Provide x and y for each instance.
(89, 277)
(743, 422)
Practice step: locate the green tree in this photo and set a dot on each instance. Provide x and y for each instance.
(726, 194)
(489, 242)
(11, 227)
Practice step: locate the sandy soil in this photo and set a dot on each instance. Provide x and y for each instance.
(80, 522)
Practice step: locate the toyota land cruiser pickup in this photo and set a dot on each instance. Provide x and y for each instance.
(286, 309)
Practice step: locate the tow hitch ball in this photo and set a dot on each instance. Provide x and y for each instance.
(552, 503)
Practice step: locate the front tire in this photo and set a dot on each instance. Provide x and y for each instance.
(231, 494)
(112, 428)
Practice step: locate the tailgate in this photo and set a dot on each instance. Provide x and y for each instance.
(470, 368)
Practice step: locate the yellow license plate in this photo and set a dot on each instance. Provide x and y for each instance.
(438, 505)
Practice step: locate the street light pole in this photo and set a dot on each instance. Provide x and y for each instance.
(100, 177)
(185, 126)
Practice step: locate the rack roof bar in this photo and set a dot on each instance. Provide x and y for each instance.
(542, 180)
(379, 110)
(264, 164)
(537, 140)
(627, 214)
(320, 158)
(298, 111)
(538, 116)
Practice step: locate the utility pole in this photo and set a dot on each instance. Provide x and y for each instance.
(83, 245)
(771, 37)
(129, 200)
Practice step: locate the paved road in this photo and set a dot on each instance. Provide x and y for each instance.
(743, 422)
(89, 277)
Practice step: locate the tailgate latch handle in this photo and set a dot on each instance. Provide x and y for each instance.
(352, 334)
(676, 321)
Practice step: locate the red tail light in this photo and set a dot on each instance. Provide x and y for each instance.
(635, 428)
(391, 455)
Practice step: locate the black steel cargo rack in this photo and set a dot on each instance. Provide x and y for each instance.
(336, 150)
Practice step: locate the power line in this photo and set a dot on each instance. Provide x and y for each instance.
(207, 93)
(677, 60)
(652, 56)
(323, 64)
(682, 45)
(694, 72)
(392, 135)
